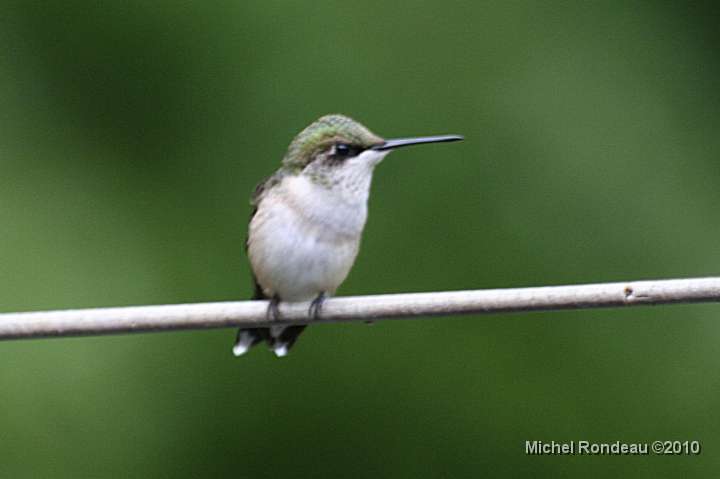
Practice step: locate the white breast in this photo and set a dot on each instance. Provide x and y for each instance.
(304, 238)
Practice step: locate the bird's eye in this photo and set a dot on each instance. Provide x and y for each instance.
(342, 151)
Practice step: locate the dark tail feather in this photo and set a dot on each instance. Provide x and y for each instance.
(278, 338)
(281, 340)
(249, 337)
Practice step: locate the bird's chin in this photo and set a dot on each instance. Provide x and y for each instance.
(371, 157)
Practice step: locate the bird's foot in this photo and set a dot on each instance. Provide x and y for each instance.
(316, 306)
(273, 312)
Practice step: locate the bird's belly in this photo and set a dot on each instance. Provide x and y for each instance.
(296, 260)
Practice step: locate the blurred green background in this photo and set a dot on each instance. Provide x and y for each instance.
(131, 136)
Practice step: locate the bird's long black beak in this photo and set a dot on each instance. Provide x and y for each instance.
(390, 144)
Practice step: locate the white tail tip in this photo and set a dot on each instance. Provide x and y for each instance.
(244, 343)
(281, 350)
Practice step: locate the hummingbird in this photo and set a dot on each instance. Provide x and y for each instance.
(308, 218)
